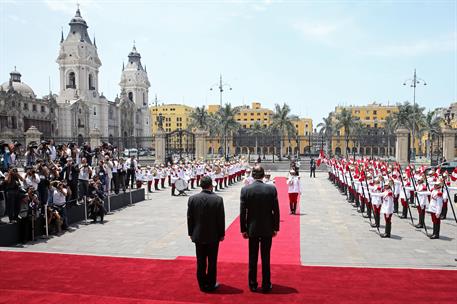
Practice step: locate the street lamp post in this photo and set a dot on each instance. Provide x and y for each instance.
(413, 82)
(220, 86)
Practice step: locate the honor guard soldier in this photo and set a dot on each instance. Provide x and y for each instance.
(422, 201)
(435, 208)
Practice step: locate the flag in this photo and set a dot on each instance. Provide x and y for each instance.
(321, 158)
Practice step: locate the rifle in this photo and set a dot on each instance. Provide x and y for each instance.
(369, 196)
(404, 191)
(449, 198)
(415, 196)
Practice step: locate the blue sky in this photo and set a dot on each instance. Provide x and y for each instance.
(313, 55)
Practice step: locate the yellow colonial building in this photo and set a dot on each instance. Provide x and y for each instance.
(175, 117)
(372, 116)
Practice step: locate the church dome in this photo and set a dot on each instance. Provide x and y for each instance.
(18, 86)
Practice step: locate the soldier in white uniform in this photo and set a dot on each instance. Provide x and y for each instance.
(435, 208)
(293, 183)
(387, 206)
(422, 201)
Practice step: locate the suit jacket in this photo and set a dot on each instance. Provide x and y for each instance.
(259, 210)
(205, 217)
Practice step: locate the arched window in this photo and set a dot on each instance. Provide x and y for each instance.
(91, 82)
(71, 80)
(144, 99)
(130, 96)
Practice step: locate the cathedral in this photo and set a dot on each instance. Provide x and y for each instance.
(79, 108)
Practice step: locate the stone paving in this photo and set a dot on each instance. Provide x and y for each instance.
(332, 232)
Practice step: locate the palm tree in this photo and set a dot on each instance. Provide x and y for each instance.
(345, 121)
(282, 123)
(389, 129)
(213, 129)
(327, 128)
(199, 119)
(227, 122)
(431, 126)
(358, 130)
(256, 130)
(410, 117)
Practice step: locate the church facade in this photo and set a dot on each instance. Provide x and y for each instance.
(79, 109)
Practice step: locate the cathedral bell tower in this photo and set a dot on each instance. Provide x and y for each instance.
(78, 63)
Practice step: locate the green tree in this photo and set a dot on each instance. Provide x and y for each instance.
(389, 129)
(431, 126)
(227, 123)
(345, 121)
(256, 130)
(282, 123)
(199, 119)
(411, 117)
(327, 129)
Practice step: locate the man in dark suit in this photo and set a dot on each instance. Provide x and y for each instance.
(206, 227)
(259, 221)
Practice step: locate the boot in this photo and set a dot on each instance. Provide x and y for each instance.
(395, 205)
(362, 206)
(421, 220)
(386, 234)
(376, 220)
(443, 212)
(291, 205)
(404, 212)
(436, 231)
(368, 212)
(173, 190)
(295, 208)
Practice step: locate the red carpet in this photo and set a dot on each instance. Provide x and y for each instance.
(286, 246)
(58, 278)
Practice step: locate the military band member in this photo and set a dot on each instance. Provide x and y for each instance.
(376, 202)
(293, 183)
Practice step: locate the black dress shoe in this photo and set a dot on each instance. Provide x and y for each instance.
(210, 289)
(266, 289)
(253, 287)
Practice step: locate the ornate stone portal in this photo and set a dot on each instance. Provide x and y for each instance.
(449, 143)
(401, 146)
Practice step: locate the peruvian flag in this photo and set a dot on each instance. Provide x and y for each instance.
(454, 175)
(321, 158)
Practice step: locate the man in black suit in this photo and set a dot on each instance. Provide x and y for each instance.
(259, 221)
(206, 227)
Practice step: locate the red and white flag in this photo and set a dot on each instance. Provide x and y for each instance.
(322, 158)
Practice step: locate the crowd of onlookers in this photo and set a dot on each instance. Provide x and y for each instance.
(59, 177)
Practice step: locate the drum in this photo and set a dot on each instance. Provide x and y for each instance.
(181, 185)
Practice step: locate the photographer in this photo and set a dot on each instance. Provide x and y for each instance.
(31, 154)
(31, 223)
(12, 188)
(86, 152)
(70, 173)
(44, 152)
(85, 172)
(43, 184)
(59, 200)
(96, 197)
(6, 156)
(31, 179)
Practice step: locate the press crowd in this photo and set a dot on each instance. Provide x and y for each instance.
(58, 177)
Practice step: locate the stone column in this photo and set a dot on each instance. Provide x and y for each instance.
(449, 143)
(95, 138)
(160, 145)
(32, 134)
(401, 146)
(201, 148)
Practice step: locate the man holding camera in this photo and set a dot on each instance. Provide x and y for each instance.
(59, 200)
(12, 188)
(85, 172)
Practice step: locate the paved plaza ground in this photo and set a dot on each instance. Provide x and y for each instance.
(332, 232)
